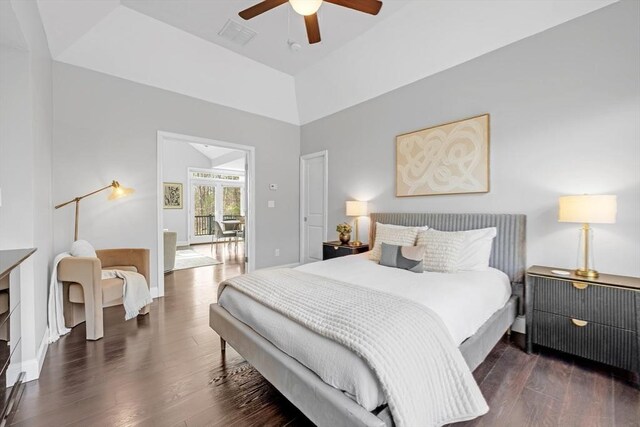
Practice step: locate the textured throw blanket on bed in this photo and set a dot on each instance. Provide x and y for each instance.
(422, 373)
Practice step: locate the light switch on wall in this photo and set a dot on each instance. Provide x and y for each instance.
(271, 204)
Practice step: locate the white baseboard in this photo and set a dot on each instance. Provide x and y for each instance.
(182, 243)
(292, 265)
(519, 325)
(31, 367)
(154, 292)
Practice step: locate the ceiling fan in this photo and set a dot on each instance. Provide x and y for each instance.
(309, 9)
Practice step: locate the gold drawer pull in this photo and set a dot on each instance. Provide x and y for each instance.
(580, 285)
(336, 247)
(579, 323)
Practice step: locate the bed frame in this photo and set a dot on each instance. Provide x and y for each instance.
(328, 406)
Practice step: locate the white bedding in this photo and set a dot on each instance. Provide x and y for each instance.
(464, 301)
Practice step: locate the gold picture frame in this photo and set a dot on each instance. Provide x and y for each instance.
(451, 158)
(172, 195)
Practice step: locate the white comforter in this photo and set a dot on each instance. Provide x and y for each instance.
(464, 301)
(423, 375)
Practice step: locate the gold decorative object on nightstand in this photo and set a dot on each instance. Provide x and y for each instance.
(586, 209)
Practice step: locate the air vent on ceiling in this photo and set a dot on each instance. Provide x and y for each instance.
(237, 33)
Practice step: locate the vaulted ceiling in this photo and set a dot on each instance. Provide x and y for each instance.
(174, 45)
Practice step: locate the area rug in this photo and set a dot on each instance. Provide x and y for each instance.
(188, 258)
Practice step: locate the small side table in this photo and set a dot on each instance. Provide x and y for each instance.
(335, 249)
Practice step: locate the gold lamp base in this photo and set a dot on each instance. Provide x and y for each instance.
(586, 273)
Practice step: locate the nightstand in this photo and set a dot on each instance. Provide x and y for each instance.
(598, 319)
(336, 249)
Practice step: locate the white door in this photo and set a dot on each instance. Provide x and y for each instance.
(313, 205)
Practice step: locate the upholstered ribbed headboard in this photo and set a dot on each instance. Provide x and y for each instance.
(509, 248)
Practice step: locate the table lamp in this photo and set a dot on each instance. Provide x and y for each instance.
(117, 192)
(587, 209)
(356, 208)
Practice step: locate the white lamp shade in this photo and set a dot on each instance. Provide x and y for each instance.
(306, 7)
(356, 208)
(593, 209)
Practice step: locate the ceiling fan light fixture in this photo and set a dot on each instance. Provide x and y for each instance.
(306, 7)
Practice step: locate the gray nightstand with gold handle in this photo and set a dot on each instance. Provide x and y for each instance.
(598, 319)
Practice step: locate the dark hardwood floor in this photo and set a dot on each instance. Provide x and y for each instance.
(165, 369)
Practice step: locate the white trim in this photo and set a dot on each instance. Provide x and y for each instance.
(250, 185)
(325, 154)
(183, 243)
(31, 367)
(219, 171)
(159, 289)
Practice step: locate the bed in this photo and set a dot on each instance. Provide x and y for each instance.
(248, 327)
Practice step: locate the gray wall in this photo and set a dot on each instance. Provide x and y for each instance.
(106, 128)
(25, 165)
(565, 119)
(176, 159)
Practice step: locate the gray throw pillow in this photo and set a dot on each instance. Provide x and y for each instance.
(405, 257)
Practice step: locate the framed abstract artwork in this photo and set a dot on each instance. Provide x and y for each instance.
(173, 195)
(452, 158)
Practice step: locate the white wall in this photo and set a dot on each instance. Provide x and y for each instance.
(177, 158)
(106, 128)
(25, 166)
(565, 119)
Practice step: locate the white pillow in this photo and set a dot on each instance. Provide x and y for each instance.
(392, 235)
(82, 248)
(476, 249)
(442, 249)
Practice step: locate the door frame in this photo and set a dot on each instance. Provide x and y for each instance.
(303, 195)
(250, 183)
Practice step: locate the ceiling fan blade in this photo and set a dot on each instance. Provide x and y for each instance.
(371, 7)
(259, 8)
(313, 28)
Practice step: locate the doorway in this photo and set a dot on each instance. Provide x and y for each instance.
(314, 195)
(214, 195)
(218, 189)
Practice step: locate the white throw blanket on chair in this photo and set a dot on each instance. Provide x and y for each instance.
(56, 303)
(135, 296)
(135, 291)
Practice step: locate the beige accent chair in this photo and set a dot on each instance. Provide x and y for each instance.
(85, 293)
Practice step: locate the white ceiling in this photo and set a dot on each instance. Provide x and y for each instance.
(205, 18)
(221, 157)
(173, 45)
